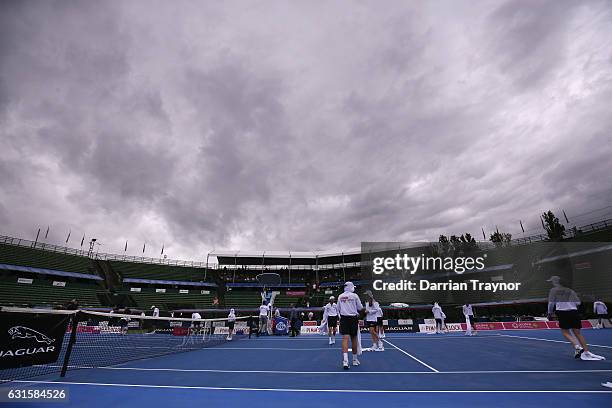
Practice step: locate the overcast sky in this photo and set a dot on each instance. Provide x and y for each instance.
(300, 125)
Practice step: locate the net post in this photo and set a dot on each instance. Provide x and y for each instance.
(73, 333)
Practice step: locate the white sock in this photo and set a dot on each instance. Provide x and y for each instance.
(345, 357)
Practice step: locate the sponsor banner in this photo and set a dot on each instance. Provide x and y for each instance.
(482, 326)
(59, 283)
(27, 339)
(25, 280)
(225, 330)
(399, 329)
(329, 292)
(159, 290)
(310, 323)
(430, 321)
(309, 330)
(295, 293)
(523, 325)
(281, 326)
(184, 291)
(205, 292)
(180, 331)
(427, 328)
(485, 326)
(135, 289)
(402, 322)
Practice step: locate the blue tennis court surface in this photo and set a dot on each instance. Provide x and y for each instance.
(501, 369)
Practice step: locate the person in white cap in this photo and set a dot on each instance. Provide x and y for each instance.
(601, 310)
(330, 315)
(564, 303)
(155, 311)
(437, 312)
(469, 320)
(231, 321)
(349, 308)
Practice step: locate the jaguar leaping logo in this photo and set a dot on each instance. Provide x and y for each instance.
(22, 332)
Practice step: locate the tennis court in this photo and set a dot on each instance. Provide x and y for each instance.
(530, 368)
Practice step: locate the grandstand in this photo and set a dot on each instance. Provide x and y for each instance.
(38, 274)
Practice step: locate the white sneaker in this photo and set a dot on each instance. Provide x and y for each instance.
(356, 361)
(588, 356)
(331, 341)
(345, 364)
(382, 336)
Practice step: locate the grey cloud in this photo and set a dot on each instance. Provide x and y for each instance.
(217, 126)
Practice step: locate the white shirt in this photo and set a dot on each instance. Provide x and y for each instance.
(562, 298)
(600, 307)
(231, 317)
(349, 304)
(156, 312)
(330, 309)
(263, 310)
(437, 312)
(372, 311)
(196, 315)
(467, 310)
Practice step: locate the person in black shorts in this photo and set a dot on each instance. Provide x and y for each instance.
(330, 314)
(349, 308)
(564, 303)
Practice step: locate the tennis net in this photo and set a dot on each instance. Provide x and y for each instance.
(37, 342)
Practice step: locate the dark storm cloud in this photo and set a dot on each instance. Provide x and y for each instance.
(299, 126)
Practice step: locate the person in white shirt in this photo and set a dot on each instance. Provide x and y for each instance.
(564, 303)
(469, 320)
(380, 327)
(155, 311)
(330, 315)
(195, 326)
(437, 313)
(349, 308)
(231, 320)
(601, 310)
(444, 323)
(264, 309)
(371, 320)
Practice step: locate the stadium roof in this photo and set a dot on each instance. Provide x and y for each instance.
(284, 257)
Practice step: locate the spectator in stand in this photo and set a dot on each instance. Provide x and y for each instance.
(72, 305)
(293, 319)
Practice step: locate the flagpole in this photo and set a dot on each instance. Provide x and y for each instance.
(36, 241)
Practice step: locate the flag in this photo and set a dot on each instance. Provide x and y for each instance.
(82, 240)
(68, 237)
(565, 215)
(497, 229)
(143, 247)
(521, 222)
(483, 234)
(162, 252)
(47, 233)
(37, 234)
(125, 249)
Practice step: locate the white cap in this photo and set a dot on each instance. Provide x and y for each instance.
(332, 298)
(553, 279)
(349, 287)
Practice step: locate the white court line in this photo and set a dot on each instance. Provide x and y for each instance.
(550, 340)
(188, 387)
(339, 372)
(410, 355)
